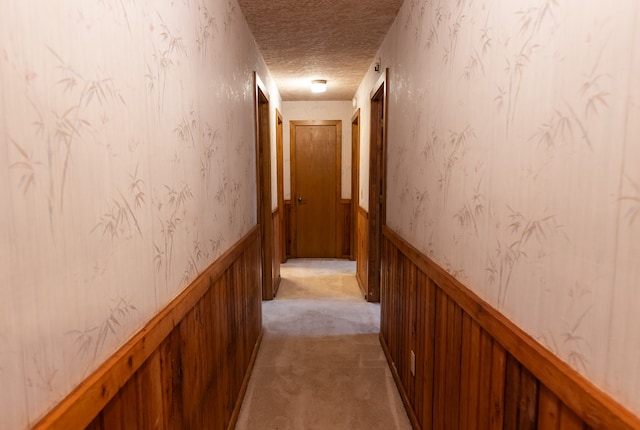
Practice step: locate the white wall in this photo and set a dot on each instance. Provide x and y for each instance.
(320, 110)
(513, 162)
(127, 166)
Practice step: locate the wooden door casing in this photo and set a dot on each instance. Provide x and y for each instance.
(355, 181)
(282, 255)
(377, 184)
(315, 187)
(263, 185)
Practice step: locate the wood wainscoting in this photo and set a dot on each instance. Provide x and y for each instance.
(276, 255)
(286, 225)
(474, 369)
(188, 368)
(344, 229)
(362, 256)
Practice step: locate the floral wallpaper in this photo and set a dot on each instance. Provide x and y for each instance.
(127, 166)
(513, 162)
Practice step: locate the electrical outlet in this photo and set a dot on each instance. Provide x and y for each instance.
(413, 363)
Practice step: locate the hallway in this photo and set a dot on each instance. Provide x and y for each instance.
(147, 177)
(320, 364)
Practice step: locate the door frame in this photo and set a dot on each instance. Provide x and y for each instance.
(263, 184)
(280, 184)
(377, 182)
(338, 191)
(355, 181)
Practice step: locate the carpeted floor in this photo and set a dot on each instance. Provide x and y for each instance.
(320, 365)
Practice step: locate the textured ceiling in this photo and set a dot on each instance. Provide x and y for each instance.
(335, 40)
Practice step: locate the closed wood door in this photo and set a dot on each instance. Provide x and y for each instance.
(315, 147)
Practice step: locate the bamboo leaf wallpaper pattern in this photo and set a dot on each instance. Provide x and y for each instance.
(513, 163)
(27, 167)
(634, 208)
(123, 174)
(511, 250)
(91, 341)
(121, 216)
(207, 28)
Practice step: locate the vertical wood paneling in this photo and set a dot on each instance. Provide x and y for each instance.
(223, 367)
(96, 424)
(287, 228)
(395, 300)
(149, 392)
(465, 370)
(362, 258)
(343, 231)
(440, 365)
(410, 281)
(119, 414)
(548, 410)
(469, 373)
(512, 392)
(172, 376)
(569, 420)
(191, 347)
(485, 363)
(277, 252)
(496, 396)
(385, 290)
(528, 401)
(427, 330)
(420, 336)
(112, 414)
(452, 384)
(465, 378)
(403, 312)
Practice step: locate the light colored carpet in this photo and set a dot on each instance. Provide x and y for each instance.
(320, 365)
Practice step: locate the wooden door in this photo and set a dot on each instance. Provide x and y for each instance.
(315, 186)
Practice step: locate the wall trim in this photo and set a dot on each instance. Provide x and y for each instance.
(85, 402)
(587, 401)
(245, 384)
(396, 377)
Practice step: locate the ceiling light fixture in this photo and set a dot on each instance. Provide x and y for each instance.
(318, 86)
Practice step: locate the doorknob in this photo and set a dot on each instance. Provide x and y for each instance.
(299, 200)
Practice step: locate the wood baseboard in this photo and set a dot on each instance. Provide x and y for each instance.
(403, 392)
(245, 383)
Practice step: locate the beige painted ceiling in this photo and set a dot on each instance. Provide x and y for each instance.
(336, 40)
